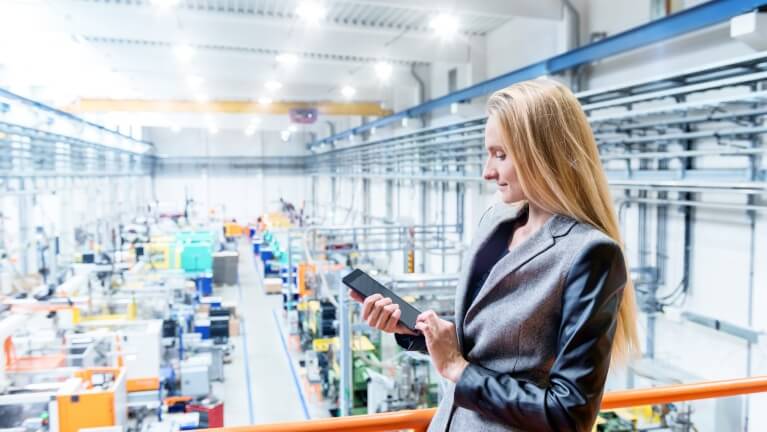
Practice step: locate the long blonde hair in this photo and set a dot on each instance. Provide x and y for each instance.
(550, 140)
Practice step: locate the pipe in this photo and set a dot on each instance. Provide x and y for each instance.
(575, 43)
(743, 207)
(421, 93)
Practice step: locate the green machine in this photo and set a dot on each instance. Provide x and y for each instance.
(196, 251)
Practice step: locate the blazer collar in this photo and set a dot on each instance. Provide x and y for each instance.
(540, 241)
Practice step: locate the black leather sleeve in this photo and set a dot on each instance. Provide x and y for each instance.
(411, 343)
(593, 289)
(414, 343)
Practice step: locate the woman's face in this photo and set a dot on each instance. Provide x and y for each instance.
(500, 166)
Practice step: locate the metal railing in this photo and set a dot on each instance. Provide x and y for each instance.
(29, 152)
(37, 140)
(418, 420)
(656, 135)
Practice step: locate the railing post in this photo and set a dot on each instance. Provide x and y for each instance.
(344, 396)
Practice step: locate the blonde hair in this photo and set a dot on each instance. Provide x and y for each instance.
(550, 140)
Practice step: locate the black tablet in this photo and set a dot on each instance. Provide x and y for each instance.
(366, 286)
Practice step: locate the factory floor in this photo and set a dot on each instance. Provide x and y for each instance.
(263, 383)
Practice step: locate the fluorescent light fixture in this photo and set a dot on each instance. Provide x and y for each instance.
(184, 52)
(285, 135)
(293, 128)
(453, 108)
(212, 129)
(444, 25)
(287, 58)
(372, 131)
(250, 131)
(273, 85)
(195, 80)
(311, 11)
(201, 98)
(263, 100)
(404, 122)
(348, 91)
(383, 71)
(255, 122)
(175, 128)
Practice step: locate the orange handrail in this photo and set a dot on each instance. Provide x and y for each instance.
(418, 420)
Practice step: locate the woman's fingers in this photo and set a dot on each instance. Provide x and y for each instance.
(378, 308)
(369, 304)
(383, 317)
(390, 324)
(428, 316)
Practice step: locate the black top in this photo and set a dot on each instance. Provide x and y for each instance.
(493, 251)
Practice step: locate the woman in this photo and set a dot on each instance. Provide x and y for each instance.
(544, 302)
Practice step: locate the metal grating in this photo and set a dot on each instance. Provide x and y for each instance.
(347, 13)
(243, 50)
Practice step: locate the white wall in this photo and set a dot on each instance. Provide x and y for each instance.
(520, 42)
(241, 193)
(199, 142)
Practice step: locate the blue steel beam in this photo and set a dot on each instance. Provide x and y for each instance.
(688, 20)
(43, 107)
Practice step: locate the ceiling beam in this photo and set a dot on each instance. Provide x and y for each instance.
(232, 31)
(549, 9)
(370, 109)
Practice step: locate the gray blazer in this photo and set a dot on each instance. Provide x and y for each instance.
(539, 332)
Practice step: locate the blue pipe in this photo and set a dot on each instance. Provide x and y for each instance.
(688, 20)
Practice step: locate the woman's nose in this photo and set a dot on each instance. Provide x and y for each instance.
(489, 173)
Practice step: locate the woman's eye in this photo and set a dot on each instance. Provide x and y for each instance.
(500, 155)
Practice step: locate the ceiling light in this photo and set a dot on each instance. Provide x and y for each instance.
(287, 58)
(453, 108)
(444, 25)
(311, 12)
(212, 129)
(348, 91)
(293, 128)
(175, 129)
(285, 135)
(264, 100)
(256, 121)
(250, 131)
(404, 122)
(201, 98)
(165, 3)
(184, 52)
(194, 80)
(383, 71)
(273, 85)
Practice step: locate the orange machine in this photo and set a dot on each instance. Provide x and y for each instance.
(94, 397)
(232, 229)
(14, 363)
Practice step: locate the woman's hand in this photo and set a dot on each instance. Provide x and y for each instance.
(442, 342)
(381, 313)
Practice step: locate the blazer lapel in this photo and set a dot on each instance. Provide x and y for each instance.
(540, 242)
(505, 213)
